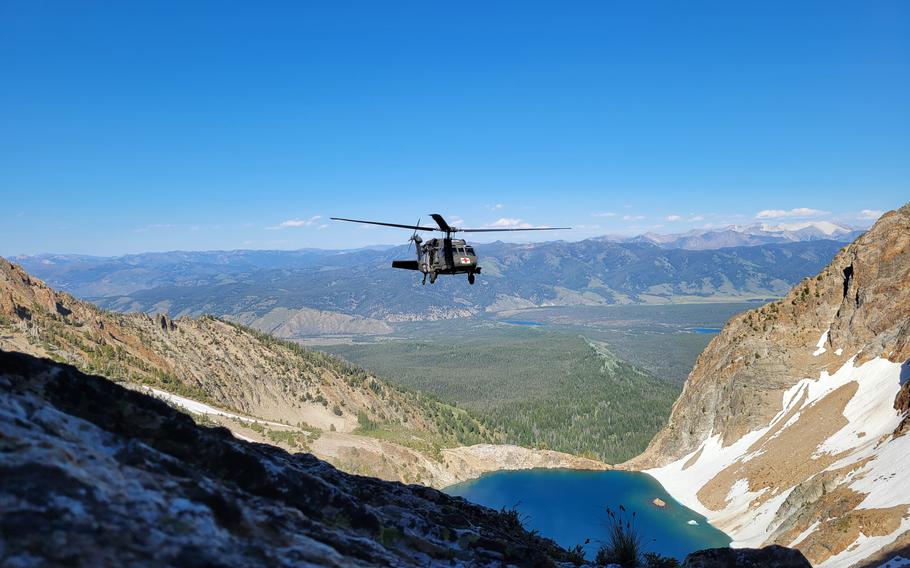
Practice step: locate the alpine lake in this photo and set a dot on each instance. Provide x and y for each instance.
(570, 507)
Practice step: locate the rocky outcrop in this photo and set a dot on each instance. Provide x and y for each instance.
(92, 474)
(902, 401)
(788, 429)
(774, 555)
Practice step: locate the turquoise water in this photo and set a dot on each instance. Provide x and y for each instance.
(706, 329)
(524, 322)
(569, 506)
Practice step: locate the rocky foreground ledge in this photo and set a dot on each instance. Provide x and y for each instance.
(92, 474)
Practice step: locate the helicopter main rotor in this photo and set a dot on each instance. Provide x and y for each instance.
(443, 227)
(442, 256)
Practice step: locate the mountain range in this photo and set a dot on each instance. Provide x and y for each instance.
(269, 288)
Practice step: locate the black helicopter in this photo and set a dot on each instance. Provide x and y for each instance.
(445, 255)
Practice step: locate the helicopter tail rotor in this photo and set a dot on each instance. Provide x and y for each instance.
(415, 238)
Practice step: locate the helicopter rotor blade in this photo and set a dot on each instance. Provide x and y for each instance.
(443, 226)
(415, 227)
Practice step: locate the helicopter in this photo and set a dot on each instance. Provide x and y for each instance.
(446, 255)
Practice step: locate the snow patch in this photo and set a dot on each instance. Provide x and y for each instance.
(821, 344)
(242, 437)
(202, 408)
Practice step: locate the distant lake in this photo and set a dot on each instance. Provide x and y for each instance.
(569, 506)
(523, 322)
(705, 329)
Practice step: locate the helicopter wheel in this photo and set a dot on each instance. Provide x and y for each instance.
(432, 278)
(470, 278)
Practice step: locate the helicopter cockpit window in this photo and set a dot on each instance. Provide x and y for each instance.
(469, 250)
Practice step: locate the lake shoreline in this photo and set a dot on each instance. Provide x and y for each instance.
(569, 506)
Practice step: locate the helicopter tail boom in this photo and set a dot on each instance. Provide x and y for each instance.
(405, 264)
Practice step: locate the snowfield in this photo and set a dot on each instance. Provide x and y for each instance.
(871, 419)
(197, 407)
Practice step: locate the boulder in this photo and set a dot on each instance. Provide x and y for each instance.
(777, 556)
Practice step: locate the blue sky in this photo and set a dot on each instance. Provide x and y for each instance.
(127, 128)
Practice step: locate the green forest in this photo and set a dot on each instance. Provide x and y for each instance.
(543, 389)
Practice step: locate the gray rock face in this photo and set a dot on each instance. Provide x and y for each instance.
(92, 474)
(776, 556)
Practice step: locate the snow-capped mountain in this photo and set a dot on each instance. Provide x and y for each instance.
(746, 235)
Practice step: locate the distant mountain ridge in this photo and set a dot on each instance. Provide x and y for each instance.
(362, 283)
(746, 235)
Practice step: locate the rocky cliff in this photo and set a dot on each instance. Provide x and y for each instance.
(92, 474)
(791, 426)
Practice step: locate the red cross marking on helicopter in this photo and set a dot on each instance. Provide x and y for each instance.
(465, 260)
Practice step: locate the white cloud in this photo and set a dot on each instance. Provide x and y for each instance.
(291, 223)
(496, 207)
(509, 223)
(693, 218)
(871, 214)
(632, 217)
(153, 227)
(604, 214)
(796, 212)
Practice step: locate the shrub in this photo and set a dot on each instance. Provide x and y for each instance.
(577, 555)
(366, 424)
(623, 544)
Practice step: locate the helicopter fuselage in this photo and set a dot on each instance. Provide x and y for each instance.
(442, 256)
(447, 256)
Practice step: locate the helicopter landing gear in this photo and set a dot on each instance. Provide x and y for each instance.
(470, 278)
(432, 278)
(424, 279)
